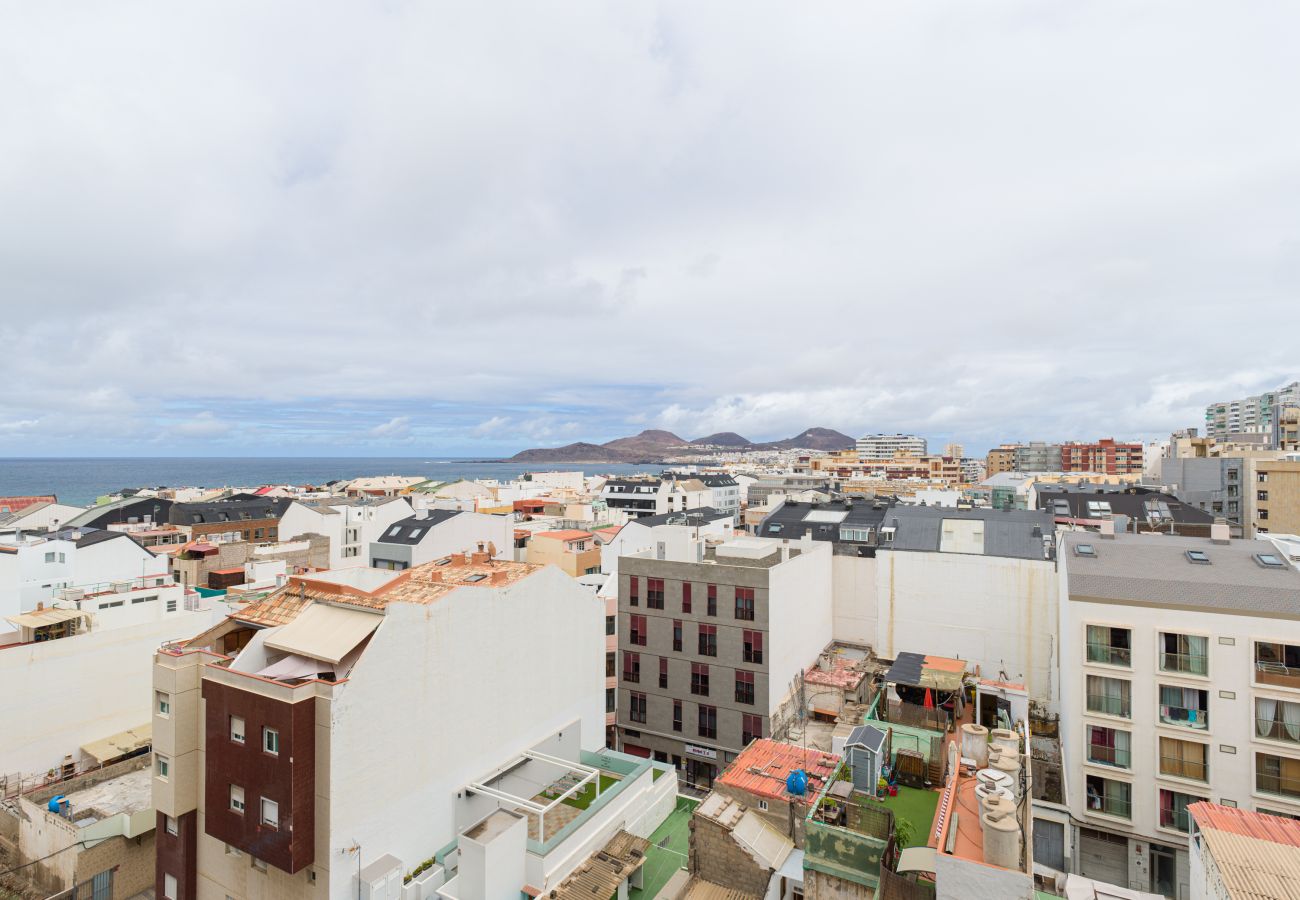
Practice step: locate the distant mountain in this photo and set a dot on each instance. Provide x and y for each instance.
(724, 439)
(814, 439)
(653, 446)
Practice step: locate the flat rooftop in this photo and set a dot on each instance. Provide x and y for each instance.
(125, 793)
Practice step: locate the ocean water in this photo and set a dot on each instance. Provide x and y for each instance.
(80, 481)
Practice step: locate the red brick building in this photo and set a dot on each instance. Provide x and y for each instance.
(1106, 455)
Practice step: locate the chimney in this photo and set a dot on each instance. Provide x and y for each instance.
(435, 578)
(40, 607)
(499, 576)
(460, 559)
(1219, 531)
(1108, 529)
(422, 512)
(479, 558)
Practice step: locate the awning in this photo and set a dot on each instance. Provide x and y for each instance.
(292, 666)
(917, 859)
(324, 632)
(120, 744)
(42, 617)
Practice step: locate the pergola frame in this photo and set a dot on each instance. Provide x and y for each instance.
(589, 774)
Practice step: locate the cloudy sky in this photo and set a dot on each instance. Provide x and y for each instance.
(421, 228)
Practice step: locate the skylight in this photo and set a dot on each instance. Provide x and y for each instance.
(395, 531)
(1269, 561)
(473, 578)
(1085, 550)
(416, 532)
(1198, 556)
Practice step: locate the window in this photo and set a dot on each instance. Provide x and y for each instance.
(708, 640)
(1269, 561)
(237, 729)
(610, 665)
(259, 864)
(677, 715)
(611, 696)
(1109, 797)
(1109, 746)
(161, 766)
(170, 824)
(663, 673)
(708, 722)
(686, 597)
(1263, 478)
(1277, 664)
(1087, 550)
(636, 707)
(1184, 706)
(654, 593)
(1098, 508)
(169, 886)
(745, 604)
(164, 704)
(677, 635)
(636, 630)
(700, 679)
(1110, 646)
(395, 531)
(1261, 496)
(171, 606)
(611, 625)
(745, 688)
(712, 597)
(1200, 557)
(751, 728)
(1184, 759)
(1173, 810)
(753, 641)
(270, 813)
(1277, 720)
(1109, 696)
(1184, 653)
(634, 591)
(1277, 775)
(236, 798)
(49, 557)
(631, 666)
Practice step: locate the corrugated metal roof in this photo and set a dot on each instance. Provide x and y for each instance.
(1257, 855)
(600, 876)
(1244, 822)
(763, 766)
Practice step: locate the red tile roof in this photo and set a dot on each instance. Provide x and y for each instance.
(763, 766)
(18, 504)
(571, 534)
(1274, 829)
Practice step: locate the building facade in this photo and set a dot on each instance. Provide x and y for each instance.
(1250, 415)
(890, 446)
(1107, 456)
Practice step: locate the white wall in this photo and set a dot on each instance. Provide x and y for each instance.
(854, 589)
(27, 579)
(61, 694)
(995, 612)
(800, 619)
(445, 692)
(463, 532)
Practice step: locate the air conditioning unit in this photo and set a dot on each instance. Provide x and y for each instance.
(121, 587)
(72, 593)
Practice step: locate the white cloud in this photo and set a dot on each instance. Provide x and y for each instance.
(706, 216)
(203, 425)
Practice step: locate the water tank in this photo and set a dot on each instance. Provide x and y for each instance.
(984, 792)
(975, 744)
(797, 783)
(993, 778)
(1006, 739)
(56, 804)
(1001, 841)
(998, 805)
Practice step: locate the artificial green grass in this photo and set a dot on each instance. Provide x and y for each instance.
(584, 797)
(917, 806)
(662, 861)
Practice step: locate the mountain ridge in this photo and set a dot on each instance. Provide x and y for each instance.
(652, 445)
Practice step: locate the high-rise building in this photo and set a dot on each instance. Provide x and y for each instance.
(1107, 456)
(890, 446)
(1249, 415)
(1038, 456)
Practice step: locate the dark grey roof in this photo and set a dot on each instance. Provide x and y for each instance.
(868, 736)
(412, 529)
(698, 516)
(791, 519)
(1142, 504)
(906, 669)
(625, 485)
(1012, 533)
(119, 511)
(1153, 570)
(91, 538)
(241, 508)
(712, 480)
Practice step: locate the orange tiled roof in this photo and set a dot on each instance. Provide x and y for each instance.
(18, 504)
(763, 766)
(1274, 829)
(571, 534)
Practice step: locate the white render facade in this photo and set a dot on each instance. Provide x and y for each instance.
(1176, 687)
(351, 527)
(890, 446)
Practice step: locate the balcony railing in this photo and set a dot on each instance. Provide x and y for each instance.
(1110, 706)
(1187, 718)
(1274, 730)
(1277, 784)
(1109, 756)
(1177, 819)
(1110, 806)
(1109, 655)
(1191, 663)
(1276, 674)
(1179, 767)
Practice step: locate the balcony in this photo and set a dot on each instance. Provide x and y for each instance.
(1109, 655)
(1276, 674)
(1108, 705)
(1187, 663)
(1109, 798)
(1184, 717)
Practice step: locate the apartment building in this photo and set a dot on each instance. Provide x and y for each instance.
(432, 534)
(573, 551)
(361, 726)
(710, 637)
(1107, 456)
(1274, 496)
(1124, 508)
(724, 490)
(1216, 485)
(350, 524)
(1037, 456)
(633, 498)
(1254, 415)
(890, 446)
(1180, 680)
(999, 460)
(243, 517)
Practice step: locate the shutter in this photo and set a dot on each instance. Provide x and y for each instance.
(1103, 856)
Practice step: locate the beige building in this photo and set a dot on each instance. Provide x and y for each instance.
(1000, 459)
(575, 552)
(1274, 497)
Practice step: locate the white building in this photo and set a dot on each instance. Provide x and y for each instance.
(351, 526)
(35, 567)
(1180, 681)
(62, 693)
(633, 498)
(890, 446)
(362, 725)
(432, 534)
(724, 490)
(669, 531)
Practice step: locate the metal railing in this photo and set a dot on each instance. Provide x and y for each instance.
(1277, 784)
(1177, 819)
(1109, 655)
(1180, 767)
(1110, 706)
(1181, 715)
(1276, 674)
(1110, 805)
(1190, 663)
(1109, 756)
(1275, 730)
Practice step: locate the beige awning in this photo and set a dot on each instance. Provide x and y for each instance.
(324, 632)
(120, 744)
(917, 859)
(42, 617)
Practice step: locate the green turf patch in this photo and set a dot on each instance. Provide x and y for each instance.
(917, 807)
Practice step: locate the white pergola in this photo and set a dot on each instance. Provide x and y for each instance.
(588, 773)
